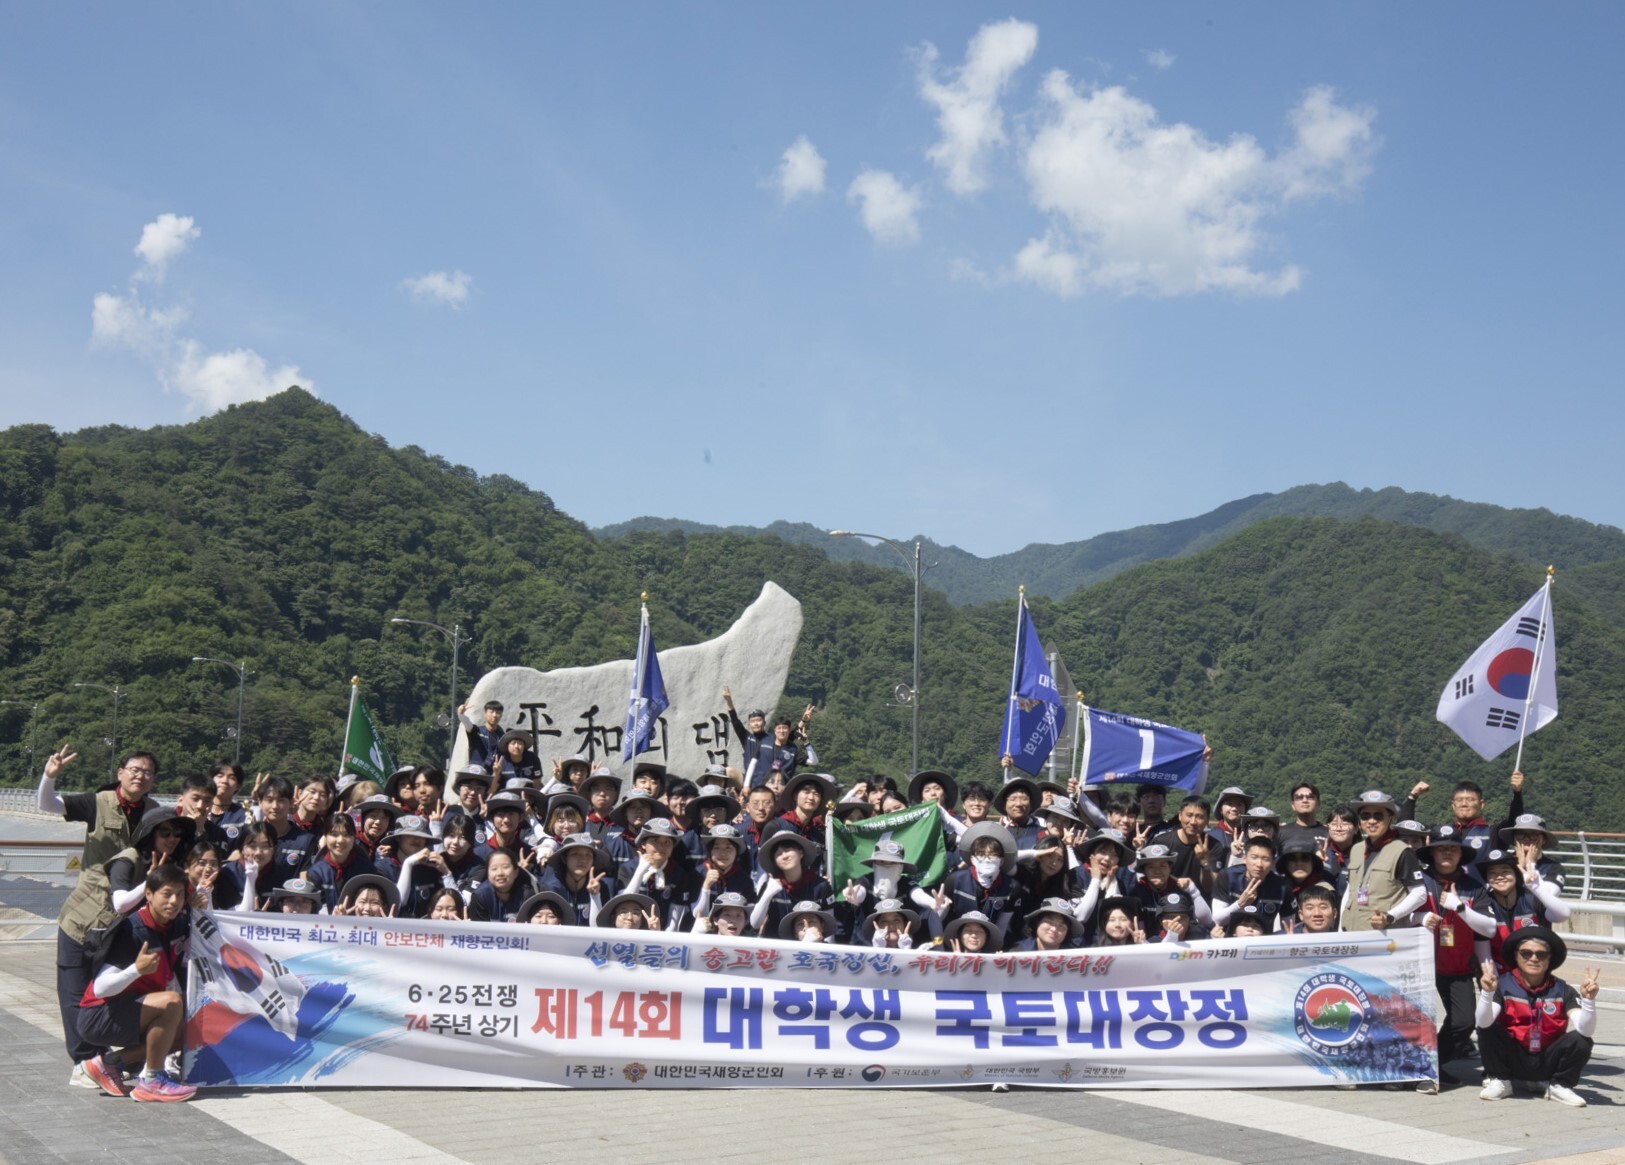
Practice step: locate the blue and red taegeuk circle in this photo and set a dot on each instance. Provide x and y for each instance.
(1510, 672)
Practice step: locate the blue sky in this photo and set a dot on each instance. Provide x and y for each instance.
(996, 278)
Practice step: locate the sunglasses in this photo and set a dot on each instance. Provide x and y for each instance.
(1535, 956)
(1374, 815)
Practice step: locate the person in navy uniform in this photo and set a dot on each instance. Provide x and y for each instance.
(1253, 883)
(1532, 1026)
(482, 737)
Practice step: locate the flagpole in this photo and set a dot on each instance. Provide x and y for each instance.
(1015, 671)
(344, 748)
(1534, 673)
(1077, 739)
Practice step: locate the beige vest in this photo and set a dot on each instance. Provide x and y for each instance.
(1382, 887)
(90, 905)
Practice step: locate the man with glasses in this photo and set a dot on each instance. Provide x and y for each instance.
(1384, 874)
(1533, 1026)
(1305, 823)
(111, 817)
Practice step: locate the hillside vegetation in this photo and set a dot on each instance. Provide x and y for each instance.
(280, 533)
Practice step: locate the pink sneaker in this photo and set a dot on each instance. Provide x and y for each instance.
(108, 1079)
(159, 1088)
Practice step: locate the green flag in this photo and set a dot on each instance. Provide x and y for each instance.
(365, 754)
(917, 829)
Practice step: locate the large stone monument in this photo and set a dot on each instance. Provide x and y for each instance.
(583, 709)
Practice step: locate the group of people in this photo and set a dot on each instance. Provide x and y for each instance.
(1030, 865)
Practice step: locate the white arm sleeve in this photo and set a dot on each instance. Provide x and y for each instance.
(125, 901)
(1557, 910)
(1585, 1020)
(1486, 1011)
(50, 801)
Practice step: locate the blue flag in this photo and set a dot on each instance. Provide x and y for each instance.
(1036, 712)
(1119, 748)
(648, 698)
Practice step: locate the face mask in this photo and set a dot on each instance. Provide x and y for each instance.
(986, 869)
(886, 878)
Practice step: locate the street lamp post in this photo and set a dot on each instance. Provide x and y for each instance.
(455, 634)
(118, 694)
(33, 713)
(241, 669)
(913, 563)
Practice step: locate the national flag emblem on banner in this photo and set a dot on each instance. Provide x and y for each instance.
(1508, 688)
(648, 698)
(1035, 713)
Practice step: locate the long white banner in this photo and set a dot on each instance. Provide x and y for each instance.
(288, 1000)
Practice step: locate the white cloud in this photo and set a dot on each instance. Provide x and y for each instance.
(213, 380)
(209, 380)
(162, 240)
(887, 207)
(1159, 58)
(968, 110)
(1139, 205)
(1051, 267)
(448, 287)
(801, 171)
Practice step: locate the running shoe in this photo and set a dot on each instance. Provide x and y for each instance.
(159, 1088)
(109, 1079)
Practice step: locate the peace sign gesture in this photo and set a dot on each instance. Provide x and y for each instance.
(58, 761)
(595, 880)
(1590, 987)
(1488, 980)
(651, 919)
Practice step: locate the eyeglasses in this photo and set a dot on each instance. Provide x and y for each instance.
(1535, 956)
(1304, 797)
(140, 772)
(1374, 815)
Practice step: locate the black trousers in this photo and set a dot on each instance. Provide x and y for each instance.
(1459, 994)
(72, 977)
(1561, 1061)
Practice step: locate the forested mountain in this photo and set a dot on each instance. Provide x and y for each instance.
(280, 533)
(1058, 569)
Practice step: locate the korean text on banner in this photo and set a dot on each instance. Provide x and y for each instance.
(312, 1001)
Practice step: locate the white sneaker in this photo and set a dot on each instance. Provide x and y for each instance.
(1495, 1089)
(79, 1078)
(1563, 1094)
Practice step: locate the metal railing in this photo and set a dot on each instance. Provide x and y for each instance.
(1594, 864)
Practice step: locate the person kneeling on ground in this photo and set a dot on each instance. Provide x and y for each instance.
(133, 1002)
(1533, 1026)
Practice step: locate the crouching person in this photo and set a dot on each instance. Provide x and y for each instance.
(134, 1002)
(1533, 1026)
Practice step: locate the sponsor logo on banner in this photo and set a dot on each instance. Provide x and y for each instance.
(874, 1073)
(634, 1072)
(1331, 1013)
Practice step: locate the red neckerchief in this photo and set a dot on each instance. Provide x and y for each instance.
(126, 806)
(301, 824)
(807, 877)
(1464, 826)
(595, 818)
(328, 858)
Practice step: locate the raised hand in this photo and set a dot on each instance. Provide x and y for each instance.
(147, 961)
(1487, 978)
(59, 760)
(1589, 988)
(1419, 790)
(1517, 782)
(651, 919)
(595, 880)
(851, 892)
